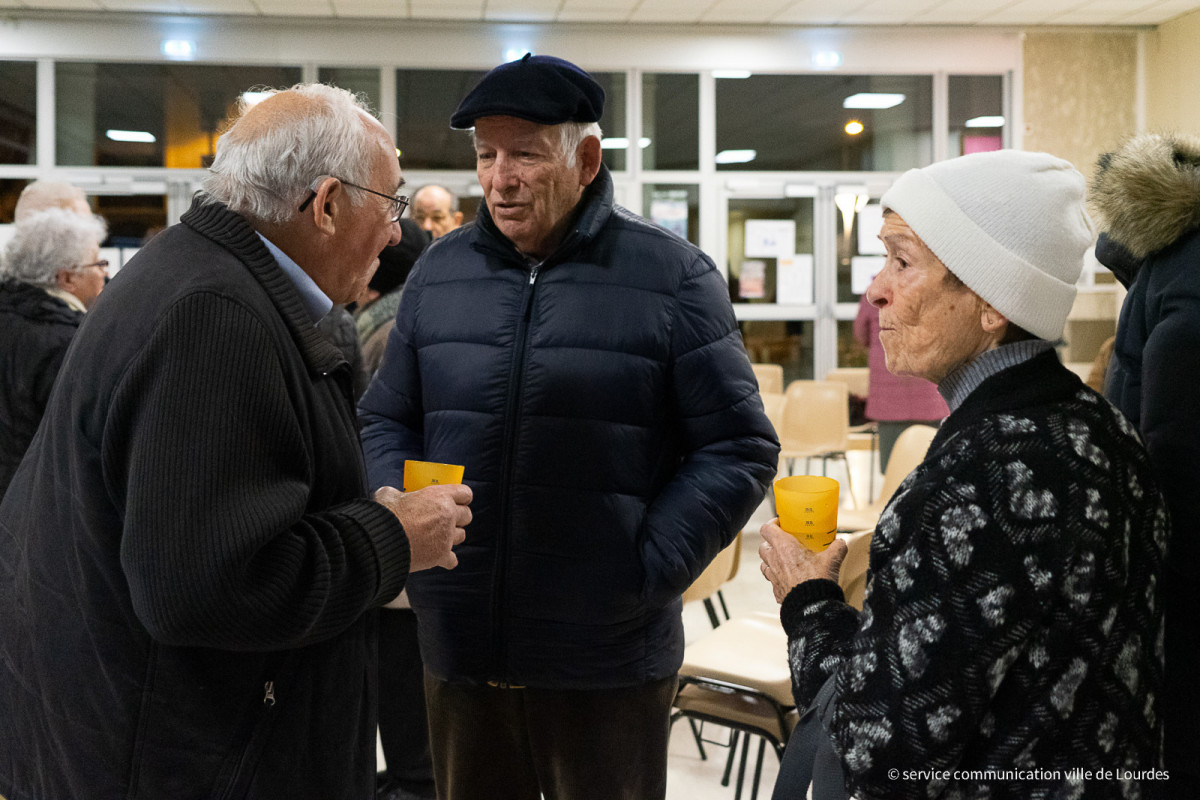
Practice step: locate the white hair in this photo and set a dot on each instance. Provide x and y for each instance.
(43, 195)
(51, 240)
(570, 136)
(265, 174)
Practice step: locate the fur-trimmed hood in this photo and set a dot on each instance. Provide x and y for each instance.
(1146, 194)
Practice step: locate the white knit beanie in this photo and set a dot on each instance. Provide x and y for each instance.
(1010, 224)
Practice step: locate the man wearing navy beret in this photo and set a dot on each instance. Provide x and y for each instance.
(586, 368)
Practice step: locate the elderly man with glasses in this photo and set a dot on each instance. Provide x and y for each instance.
(190, 561)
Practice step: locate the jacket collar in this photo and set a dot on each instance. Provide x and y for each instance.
(1040, 381)
(215, 221)
(35, 302)
(591, 215)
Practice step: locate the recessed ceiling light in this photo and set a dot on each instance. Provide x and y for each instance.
(254, 98)
(873, 100)
(735, 156)
(827, 59)
(515, 53)
(854, 127)
(985, 122)
(179, 49)
(129, 136)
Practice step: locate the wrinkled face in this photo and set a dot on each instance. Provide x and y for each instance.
(929, 324)
(368, 230)
(431, 210)
(530, 191)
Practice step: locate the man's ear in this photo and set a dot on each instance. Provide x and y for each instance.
(991, 319)
(331, 198)
(589, 157)
(64, 279)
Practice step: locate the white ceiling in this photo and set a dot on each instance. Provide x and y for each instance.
(686, 12)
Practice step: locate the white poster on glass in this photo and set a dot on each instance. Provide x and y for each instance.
(770, 238)
(794, 280)
(752, 283)
(862, 270)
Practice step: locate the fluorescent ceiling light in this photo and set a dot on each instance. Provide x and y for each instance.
(827, 59)
(735, 74)
(254, 98)
(515, 54)
(873, 100)
(129, 136)
(179, 49)
(620, 143)
(985, 122)
(735, 156)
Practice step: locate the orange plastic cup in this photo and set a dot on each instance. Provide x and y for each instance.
(807, 506)
(419, 474)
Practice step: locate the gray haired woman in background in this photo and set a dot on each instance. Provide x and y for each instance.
(51, 274)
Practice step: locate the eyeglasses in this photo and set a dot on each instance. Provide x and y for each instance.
(399, 202)
(102, 264)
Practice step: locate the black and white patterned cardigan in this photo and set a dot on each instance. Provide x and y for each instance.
(1012, 619)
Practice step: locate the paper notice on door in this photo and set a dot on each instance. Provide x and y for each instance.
(862, 270)
(770, 238)
(794, 280)
(752, 283)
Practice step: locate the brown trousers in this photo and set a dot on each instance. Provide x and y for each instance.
(491, 743)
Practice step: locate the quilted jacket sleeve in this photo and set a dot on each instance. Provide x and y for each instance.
(731, 449)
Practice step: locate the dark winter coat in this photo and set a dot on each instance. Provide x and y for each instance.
(611, 429)
(1147, 198)
(1013, 618)
(187, 552)
(35, 329)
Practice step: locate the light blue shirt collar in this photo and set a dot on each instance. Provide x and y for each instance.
(316, 303)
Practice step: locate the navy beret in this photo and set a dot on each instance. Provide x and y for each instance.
(541, 89)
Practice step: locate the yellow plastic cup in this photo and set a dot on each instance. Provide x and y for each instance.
(419, 474)
(807, 506)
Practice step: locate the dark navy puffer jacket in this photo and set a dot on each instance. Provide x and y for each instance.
(611, 429)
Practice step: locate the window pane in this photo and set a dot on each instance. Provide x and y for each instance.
(612, 122)
(131, 218)
(18, 112)
(425, 99)
(784, 342)
(173, 111)
(976, 113)
(360, 81)
(758, 242)
(851, 353)
(675, 207)
(860, 253)
(798, 122)
(671, 121)
(10, 190)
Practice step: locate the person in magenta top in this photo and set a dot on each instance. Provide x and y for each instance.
(894, 401)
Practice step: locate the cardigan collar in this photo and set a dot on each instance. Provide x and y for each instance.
(215, 221)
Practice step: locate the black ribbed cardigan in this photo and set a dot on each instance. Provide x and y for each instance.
(188, 554)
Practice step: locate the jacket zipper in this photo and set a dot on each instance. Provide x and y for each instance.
(236, 779)
(512, 408)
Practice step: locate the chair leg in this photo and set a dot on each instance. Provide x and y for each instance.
(733, 740)
(762, 747)
(712, 612)
(849, 480)
(699, 739)
(724, 607)
(737, 792)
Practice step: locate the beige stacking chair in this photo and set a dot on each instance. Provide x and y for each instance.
(719, 572)
(816, 424)
(737, 677)
(907, 453)
(769, 376)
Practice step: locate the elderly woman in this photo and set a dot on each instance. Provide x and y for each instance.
(52, 273)
(1012, 622)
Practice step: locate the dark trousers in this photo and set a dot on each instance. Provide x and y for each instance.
(518, 744)
(403, 729)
